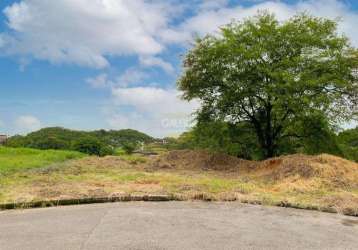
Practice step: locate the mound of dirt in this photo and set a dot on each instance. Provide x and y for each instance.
(334, 170)
(201, 159)
(298, 172)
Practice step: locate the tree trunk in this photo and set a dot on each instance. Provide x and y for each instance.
(269, 135)
(266, 136)
(268, 146)
(269, 151)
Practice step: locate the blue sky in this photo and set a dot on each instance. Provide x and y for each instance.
(90, 64)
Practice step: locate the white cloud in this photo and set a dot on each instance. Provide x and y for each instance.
(27, 123)
(213, 4)
(152, 99)
(99, 81)
(122, 121)
(85, 32)
(130, 76)
(150, 61)
(215, 15)
(88, 32)
(208, 20)
(154, 110)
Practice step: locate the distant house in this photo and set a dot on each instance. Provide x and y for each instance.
(3, 139)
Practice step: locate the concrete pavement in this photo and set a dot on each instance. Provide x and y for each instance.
(175, 225)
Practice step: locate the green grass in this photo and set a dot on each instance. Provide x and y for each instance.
(18, 159)
(119, 152)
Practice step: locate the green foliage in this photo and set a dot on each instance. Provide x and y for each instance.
(91, 146)
(240, 139)
(99, 142)
(348, 141)
(129, 147)
(117, 138)
(47, 138)
(16, 141)
(14, 159)
(312, 134)
(349, 137)
(50, 142)
(237, 140)
(273, 75)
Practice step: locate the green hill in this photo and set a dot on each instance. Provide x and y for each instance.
(66, 139)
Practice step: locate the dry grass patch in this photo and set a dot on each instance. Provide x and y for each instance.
(321, 182)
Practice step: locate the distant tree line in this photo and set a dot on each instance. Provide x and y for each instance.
(100, 142)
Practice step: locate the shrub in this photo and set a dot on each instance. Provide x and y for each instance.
(106, 150)
(129, 147)
(92, 146)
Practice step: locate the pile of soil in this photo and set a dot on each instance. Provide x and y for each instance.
(200, 159)
(331, 170)
(293, 171)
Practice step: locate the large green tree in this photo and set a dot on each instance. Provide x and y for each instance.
(272, 75)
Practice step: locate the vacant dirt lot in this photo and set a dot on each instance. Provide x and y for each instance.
(321, 182)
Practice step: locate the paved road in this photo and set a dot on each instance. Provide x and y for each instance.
(175, 225)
